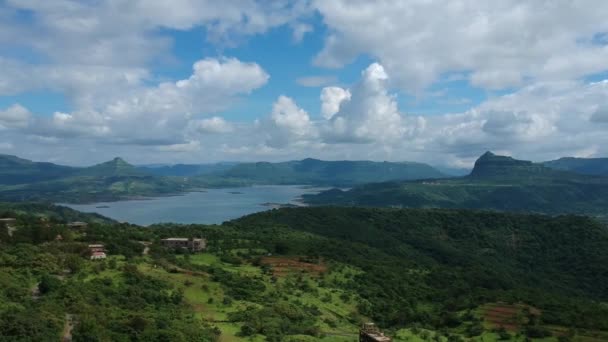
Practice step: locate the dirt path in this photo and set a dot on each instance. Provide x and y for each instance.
(67, 328)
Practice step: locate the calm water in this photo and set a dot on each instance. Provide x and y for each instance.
(212, 206)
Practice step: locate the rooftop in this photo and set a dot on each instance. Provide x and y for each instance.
(380, 337)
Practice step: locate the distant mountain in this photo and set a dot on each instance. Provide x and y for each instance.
(496, 182)
(24, 180)
(335, 173)
(453, 171)
(116, 167)
(14, 170)
(491, 166)
(186, 170)
(586, 166)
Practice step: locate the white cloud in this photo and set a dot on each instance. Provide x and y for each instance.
(84, 85)
(499, 43)
(286, 114)
(100, 56)
(300, 30)
(369, 114)
(190, 146)
(125, 32)
(331, 99)
(163, 113)
(541, 121)
(518, 124)
(15, 116)
(212, 125)
(288, 124)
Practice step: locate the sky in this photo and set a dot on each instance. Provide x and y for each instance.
(199, 81)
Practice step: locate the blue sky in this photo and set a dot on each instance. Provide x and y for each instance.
(201, 81)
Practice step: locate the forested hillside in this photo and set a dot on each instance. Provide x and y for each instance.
(308, 274)
(14, 170)
(496, 182)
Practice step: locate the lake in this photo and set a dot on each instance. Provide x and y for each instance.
(208, 207)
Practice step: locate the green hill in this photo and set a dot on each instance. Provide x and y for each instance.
(496, 182)
(311, 274)
(116, 167)
(335, 173)
(109, 181)
(506, 169)
(586, 166)
(14, 170)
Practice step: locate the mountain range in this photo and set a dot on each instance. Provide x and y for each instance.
(496, 182)
(22, 180)
(336, 173)
(586, 166)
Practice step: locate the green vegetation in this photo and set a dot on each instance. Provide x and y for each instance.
(308, 274)
(23, 180)
(14, 170)
(110, 181)
(496, 182)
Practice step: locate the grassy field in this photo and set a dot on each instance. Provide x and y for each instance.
(210, 303)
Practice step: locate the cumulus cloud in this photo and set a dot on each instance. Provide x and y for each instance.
(212, 125)
(125, 32)
(100, 56)
(190, 146)
(500, 44)
(331, 99)
(163, 113)
(15, 116)
(542, 121)
(288, 124)
(369, 114)
(518, 124)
